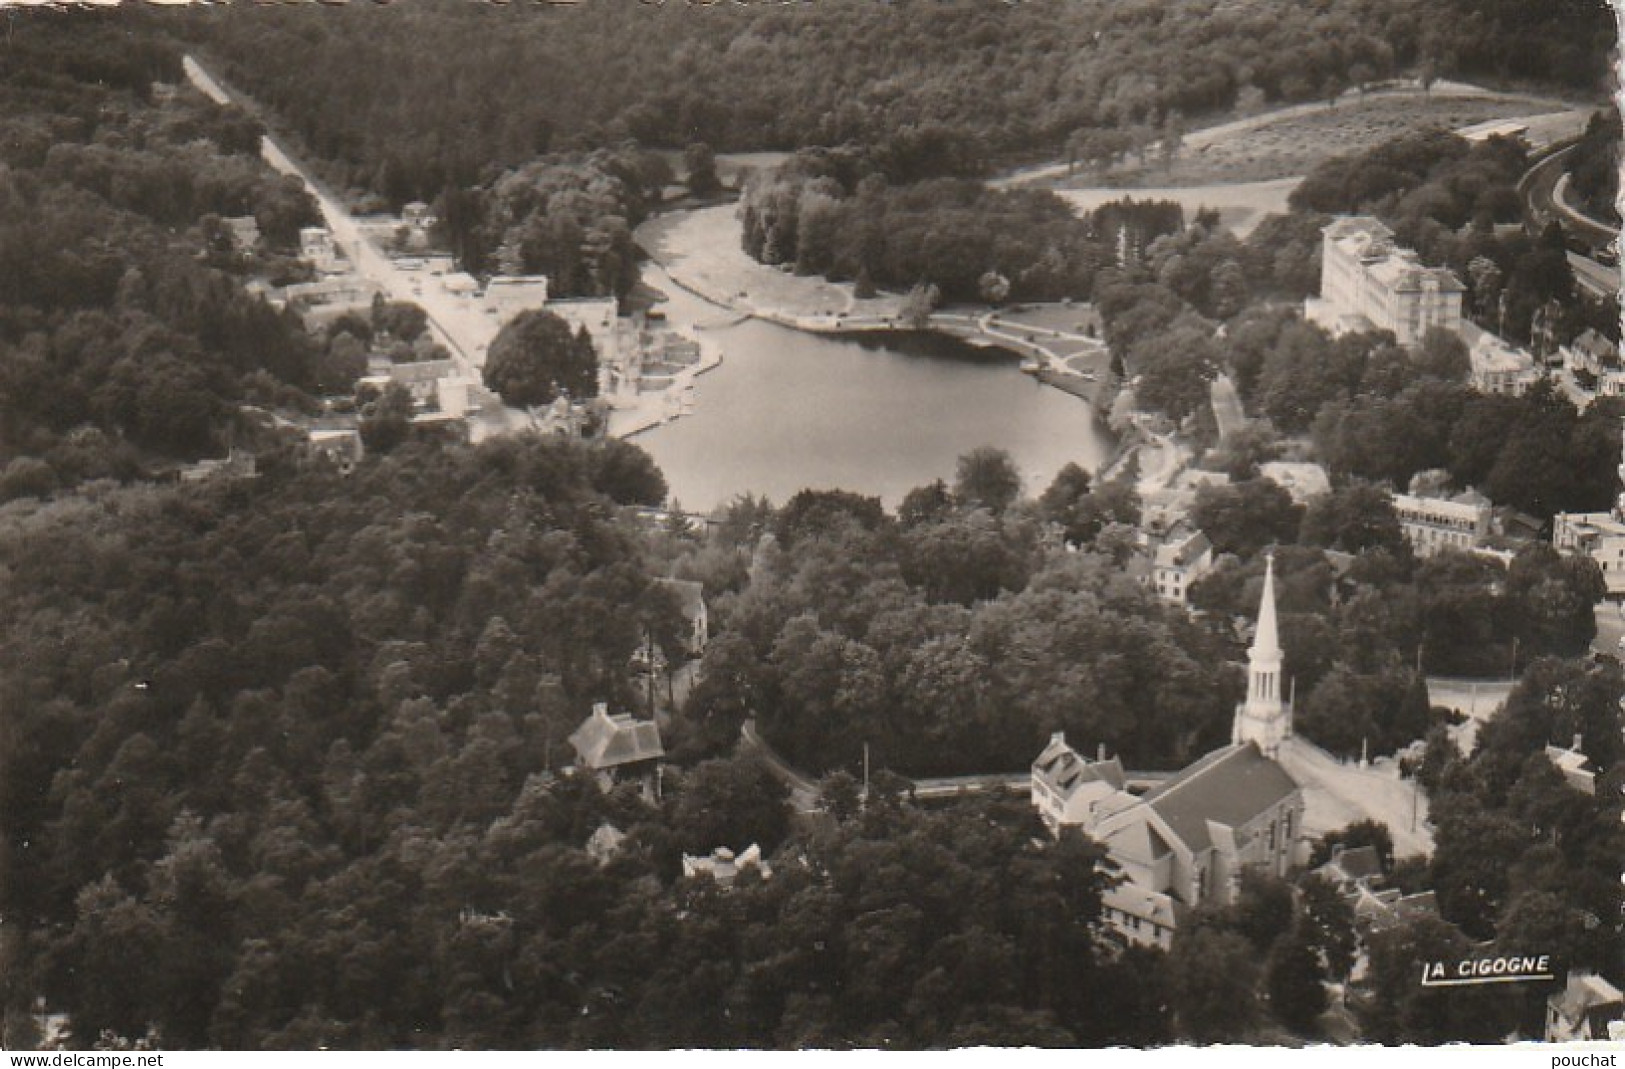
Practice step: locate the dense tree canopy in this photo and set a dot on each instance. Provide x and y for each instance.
(536, 357)
(126, 339)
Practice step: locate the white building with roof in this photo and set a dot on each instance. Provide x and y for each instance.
(1179, 560)
(1583, 1009)
(1598, 535)
(1496, 365)
(1304, 480)
(1368, 282)
(724, 866)
(1432, 524)
(618, 748)
(508, 295)
(1575, 766)
(1186, 842)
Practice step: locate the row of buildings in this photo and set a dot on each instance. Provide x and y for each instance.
(1368, 282)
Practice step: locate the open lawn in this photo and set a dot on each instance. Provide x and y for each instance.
(1302, 137)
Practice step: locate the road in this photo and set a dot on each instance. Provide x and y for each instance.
(1542, 188)
(1227, 410)
(1479, 699)
(1196, 139)
(1337, 794)
(457, 322)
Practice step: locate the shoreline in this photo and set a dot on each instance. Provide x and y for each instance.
(989, 328)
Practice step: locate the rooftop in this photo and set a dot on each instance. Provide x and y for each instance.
(1061, 769)
(604, 741)
(1583, 993)
(1230, 786)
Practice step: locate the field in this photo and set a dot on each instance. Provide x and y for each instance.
(1296, 139)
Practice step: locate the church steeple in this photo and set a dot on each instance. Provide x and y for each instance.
(1266, 716)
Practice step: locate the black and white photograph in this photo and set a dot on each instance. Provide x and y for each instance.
(810, 525)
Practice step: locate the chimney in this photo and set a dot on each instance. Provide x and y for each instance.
(1578, 738)
(1100, 752)
(1058, 739)
(600, 708)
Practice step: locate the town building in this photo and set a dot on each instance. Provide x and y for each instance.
(1187, 840)
(1496, 365)
(1590, 354)
(1165, 508)
(1179, 560)
(244, 230)
(1380, 910)
(337, 445)
(619, 749)
(1367, 282)
(1575, 766)
(1584, 1009)
(1304, 480)
(508, 295)
(1431, 524)
(605, 843)
(1598, 535)
(236, 464)
(598, 316)
(1352, 868)
(724, 866)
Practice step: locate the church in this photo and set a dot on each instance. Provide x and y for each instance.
(1185, 842)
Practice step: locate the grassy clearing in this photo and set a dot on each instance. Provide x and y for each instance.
(1295, 143)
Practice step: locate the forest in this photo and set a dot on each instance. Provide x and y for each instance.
(284, 760)
(943, 89)
(836, 213)
(126, 337)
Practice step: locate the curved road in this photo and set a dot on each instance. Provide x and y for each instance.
(1542, 187)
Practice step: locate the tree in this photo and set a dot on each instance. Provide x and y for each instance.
(700, 163)
(1328, 920)
(1245, 517)
(918, 305)
(1357, 517)
(925, 504)
(535, 358)
(626, 474)
(386, 422)
(1174, 368)
(987, 478)
(1294, 980)
(732, 802)
(1215, 978)
(993, 288)
(1367, 832)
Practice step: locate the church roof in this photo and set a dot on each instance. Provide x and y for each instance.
(1138, 841)
(1230, 786)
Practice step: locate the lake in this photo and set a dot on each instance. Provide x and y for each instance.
(878, 415)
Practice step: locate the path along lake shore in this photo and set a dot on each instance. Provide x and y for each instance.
(699, 251)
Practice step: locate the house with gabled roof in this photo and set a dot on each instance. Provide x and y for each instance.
(1575, 766)
(1067, 789)
(1186, 842)
(1182, 558)
(1351, 867)
(619, 749)
(724, 866)
(1583, 1009)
